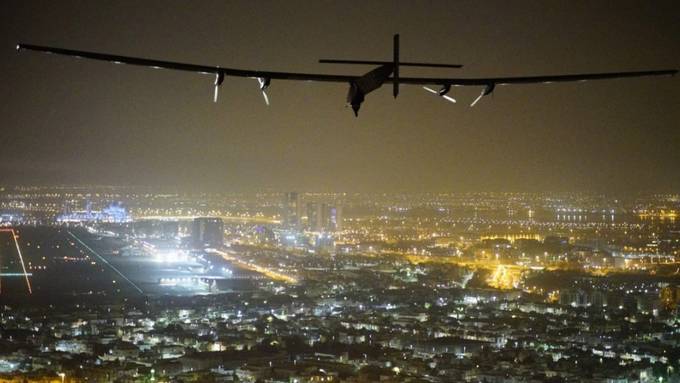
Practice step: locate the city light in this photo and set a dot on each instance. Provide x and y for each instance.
(163, 220)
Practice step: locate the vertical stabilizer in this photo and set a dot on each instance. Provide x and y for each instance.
(395, 72)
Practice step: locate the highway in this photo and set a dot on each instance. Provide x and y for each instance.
(272, 274)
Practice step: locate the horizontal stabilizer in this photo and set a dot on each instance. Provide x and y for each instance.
(372, 62)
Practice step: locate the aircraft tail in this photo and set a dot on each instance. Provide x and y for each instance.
(395, 70)
(395, 64)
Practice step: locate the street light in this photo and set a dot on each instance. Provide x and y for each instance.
(62, 376)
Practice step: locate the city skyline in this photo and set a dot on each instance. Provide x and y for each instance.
(123, 284)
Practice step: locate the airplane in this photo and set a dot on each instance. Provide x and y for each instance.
(359, 86)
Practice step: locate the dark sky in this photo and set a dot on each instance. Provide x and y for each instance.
(76, 121)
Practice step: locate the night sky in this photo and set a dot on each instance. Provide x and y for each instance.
(68, 121)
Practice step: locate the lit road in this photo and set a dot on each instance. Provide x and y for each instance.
(482, 264)
(21, 260)
(106, 262)
(272, 274)
(227, 218)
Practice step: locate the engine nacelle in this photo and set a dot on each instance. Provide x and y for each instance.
(355, 96)
(264, 82)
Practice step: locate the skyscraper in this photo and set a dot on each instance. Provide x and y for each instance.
(335, 217)
(315, 216)
(291, 209)
(324, 217)
(207, 232)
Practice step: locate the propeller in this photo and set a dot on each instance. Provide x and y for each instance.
(477, 99)
(442, 92)
(264, 84)
(485, 92)
(219, 79)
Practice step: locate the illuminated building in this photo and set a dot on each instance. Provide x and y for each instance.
(315, 216)
(512, 237)
(335, 217)
(115, 212)
(207, 232)
(154, 228)
(670, 297)
(291, 212)
(324, 217)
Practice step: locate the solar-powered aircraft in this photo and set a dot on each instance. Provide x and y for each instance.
(359, 86)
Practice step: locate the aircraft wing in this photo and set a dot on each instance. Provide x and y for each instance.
(455, 81)
(202, 69)
(491, 82)
(532, 79)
